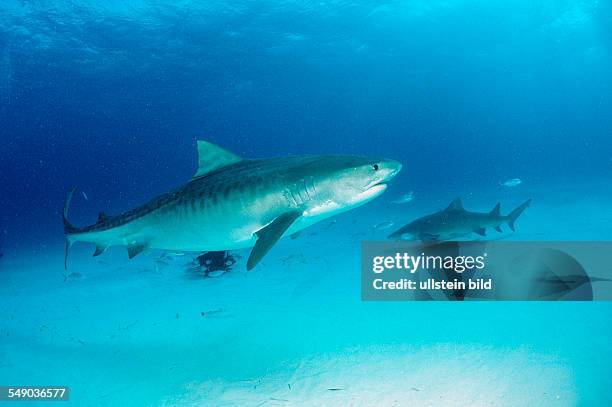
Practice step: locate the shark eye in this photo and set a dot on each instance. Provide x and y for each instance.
(375, 166)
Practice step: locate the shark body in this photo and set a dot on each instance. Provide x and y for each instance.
(234, 203)
(455, 221)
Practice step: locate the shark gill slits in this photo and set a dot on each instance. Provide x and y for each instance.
(313, 191)
(300, 194)
(305, 189)
(296, 195)
(291, 197)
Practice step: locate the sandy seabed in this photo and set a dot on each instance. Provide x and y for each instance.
(294, 331)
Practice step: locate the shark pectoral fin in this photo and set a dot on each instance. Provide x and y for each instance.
(269, 235)
(100, 248)
(135, 250)
(481, 231)
(499, 229)
(211, 157)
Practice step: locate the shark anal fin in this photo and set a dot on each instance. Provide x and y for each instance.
(211, 157)
(269, 235)
(481, 231)
(135, 250)
(499, 229)
(100, 249)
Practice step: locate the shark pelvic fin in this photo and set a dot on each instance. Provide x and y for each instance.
(496, 210)
(211, 157)
(456, 205)
(102, 217)
(269, 235)
(499, 229)
(135, 250)
(481, 231)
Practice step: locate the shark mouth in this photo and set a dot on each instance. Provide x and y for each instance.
(372, 192)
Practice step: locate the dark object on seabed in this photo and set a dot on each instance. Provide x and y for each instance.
(217, 262)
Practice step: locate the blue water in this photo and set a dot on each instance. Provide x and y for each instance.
(111, 97)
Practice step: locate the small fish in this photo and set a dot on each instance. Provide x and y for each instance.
(330, 224)
(174, 254)
(72, 276)
(212, 312)
(513, 182)
(383, 225)
(85, 195)
(404, 198)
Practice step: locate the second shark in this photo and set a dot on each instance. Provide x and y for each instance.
(454, 222)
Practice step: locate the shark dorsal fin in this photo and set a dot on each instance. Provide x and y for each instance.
(211, 157)
(456, 205)
(496, 211)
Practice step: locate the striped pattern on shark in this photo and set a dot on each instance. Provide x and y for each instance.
(234, 203)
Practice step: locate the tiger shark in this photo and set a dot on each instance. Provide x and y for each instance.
(455, 221)
(233, 203)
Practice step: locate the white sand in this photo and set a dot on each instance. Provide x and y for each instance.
(133, 333)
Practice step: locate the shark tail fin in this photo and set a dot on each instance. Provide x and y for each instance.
(513, 216)
(68, 228)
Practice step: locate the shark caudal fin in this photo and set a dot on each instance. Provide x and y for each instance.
(513, 216)
(68, 228)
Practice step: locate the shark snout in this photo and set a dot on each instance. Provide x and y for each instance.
(387, 169)
(383, 172)
(391, 167)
